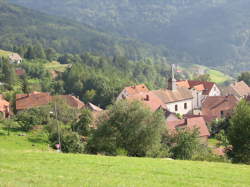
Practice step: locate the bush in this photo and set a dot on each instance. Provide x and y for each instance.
(239, 134)
(129, 126)
(83, 126)
(70, 141)
(185, 144)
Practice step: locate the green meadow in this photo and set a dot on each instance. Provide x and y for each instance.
(28, 161)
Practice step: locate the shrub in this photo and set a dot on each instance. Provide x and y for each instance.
(83, 126)
(185, 144)
(239, 134)
(70, 141)
(129, 126)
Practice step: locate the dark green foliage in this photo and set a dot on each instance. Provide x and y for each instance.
(185, 144)
(239, 134)
(245, 76)
(8, 74)
(129, 126)
(213, 33)
(41, 35)
(70, 141)
(83, 125)
(61, 111)
(29, 118)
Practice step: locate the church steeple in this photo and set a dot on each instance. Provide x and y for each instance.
(172, 81)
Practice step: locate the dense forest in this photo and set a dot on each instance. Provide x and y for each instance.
(213, 33)
(21, 26)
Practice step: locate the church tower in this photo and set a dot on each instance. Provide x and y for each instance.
(172, 81)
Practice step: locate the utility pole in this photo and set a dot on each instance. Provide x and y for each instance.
(58, 130)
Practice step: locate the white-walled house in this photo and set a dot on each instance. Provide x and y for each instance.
(176, 99)
(15, 58)
(200, 90)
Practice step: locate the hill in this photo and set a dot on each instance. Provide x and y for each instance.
(212, 33)
(27, 161)
(21, 26)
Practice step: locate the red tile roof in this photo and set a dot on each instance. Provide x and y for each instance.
(149, 99)
(20, 72)
(36, 99)
(27, 101)
(190, 123)
(136, 89)
(214, 105)
(204, 86)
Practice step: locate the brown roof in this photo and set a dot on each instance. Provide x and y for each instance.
(240, 88)
(170, 96)
(204, 86)
(27, 101)
(214, 105)
(72, 101)
(149, 99)
(36, 99)
(136, 89)
(190, 123)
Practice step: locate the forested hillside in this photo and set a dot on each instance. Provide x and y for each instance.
(209, 32)
(21, 26)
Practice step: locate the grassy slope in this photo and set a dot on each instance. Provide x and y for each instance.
(22, 164)
(4, 53)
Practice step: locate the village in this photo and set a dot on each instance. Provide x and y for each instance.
(187, 104)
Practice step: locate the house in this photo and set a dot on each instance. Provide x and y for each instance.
(132, 90)
(239, 89)
(20, 72)
(176, 99)
(200, 90)
(216, 107)
(4, 107)
(37, 99)
(94, 108)
(149, 99)
(191, 124)
(15, 58)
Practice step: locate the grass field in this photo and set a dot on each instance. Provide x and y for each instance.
(28, 161)
(217, 76)
(56, 66)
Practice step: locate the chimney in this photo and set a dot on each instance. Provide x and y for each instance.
(147, 98)
(172, 81)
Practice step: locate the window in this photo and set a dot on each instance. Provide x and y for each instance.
(185, 105)
(221, 113)
(176, 107)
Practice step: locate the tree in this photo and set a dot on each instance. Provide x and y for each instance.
(185, 144)
(129, 126)
(83, 126)
(9, 74)
(239, 133)
(245, 76)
